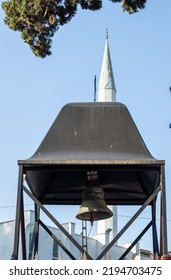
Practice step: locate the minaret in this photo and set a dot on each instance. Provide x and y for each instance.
(107, 89)
(107, 229)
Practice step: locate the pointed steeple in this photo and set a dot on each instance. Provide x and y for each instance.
(107, 89)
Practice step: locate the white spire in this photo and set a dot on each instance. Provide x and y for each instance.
(107, 89)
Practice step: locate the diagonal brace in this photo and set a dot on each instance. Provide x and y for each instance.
(136, 240)
(57, 240)
(51, 217)
(135, 216)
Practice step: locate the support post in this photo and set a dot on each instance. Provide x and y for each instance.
(36, 230)
(154, 231)
(18, 213)
(23, 236)
(163, 217)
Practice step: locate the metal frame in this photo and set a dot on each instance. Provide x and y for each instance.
(20, 225)
(135, 216)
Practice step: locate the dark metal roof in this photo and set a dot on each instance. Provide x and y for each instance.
(92, 136)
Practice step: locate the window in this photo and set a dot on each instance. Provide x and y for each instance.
(55, 251)
(145, 254)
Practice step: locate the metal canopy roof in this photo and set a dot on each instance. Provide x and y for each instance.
(98, 137)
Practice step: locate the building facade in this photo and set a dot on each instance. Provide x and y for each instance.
(48, 248)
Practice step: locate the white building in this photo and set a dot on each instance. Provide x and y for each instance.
(48, 248)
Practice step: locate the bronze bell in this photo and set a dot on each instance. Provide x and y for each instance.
(93, 207)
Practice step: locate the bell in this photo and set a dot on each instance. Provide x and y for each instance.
(93, 207)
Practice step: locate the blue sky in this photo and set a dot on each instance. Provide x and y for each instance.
(33, 90)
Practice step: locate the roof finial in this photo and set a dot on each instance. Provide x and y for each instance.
(107, 34)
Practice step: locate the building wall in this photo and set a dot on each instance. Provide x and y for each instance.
(6, 240)
(47, 249)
